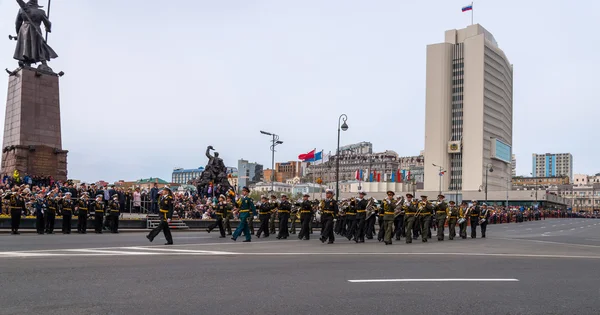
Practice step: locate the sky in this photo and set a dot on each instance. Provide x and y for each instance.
(150, 84)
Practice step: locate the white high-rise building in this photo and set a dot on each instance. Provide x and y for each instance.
(514, 165)
(552, 164)
(469, 111)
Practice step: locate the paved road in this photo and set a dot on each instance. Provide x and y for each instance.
(541, 267)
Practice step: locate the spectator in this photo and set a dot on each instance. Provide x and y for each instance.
(137, 200)
(154, 198)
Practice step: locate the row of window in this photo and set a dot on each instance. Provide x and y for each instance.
(458, 89)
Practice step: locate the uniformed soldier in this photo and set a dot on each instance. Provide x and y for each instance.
(484, 217)
(274, 214)
(340, 220)
(388, 208)
(380, 215)
(474, 216)
(306, 214)
(165, 206)
(50, 215)
(361, 215)
(115, 212)
(82, 213)
(98, 207)
(284, 209)
(329, 208)
(227, 218)
(452, 218)
(426, 212)
(370, 223)
(221, 210)
(40, 210)
(245, 209)
(264, 213)
(441, 213)
(294, 215)
(463, 213)
(410, 208)
(399, 221)
(351, 219)
(67, 213)
(17, 208)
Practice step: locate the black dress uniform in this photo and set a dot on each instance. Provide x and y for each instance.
(67, 214)
(221, 212)
(485, 216)
(99, 208)
(361, 216)
(165, 205)
(399, 225)
(474, 216)
(82, 215)
(114, 208)
(17, 207)
(351, 220)
(53, 208)
(306, 215)
(330, 210)
(40, 209)
(285, 207)
(264, 214)
(380, 215)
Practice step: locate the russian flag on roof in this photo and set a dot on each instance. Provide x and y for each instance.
(467, 8)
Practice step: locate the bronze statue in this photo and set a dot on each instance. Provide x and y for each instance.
(215, 172)
(31, 46)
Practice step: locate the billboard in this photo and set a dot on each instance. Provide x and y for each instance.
(501, 151)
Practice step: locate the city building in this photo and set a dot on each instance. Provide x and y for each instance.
(308, 188)
(264, 187)
(468, 112)
(582, 195)
(552, 164)
(284, 171)
(513, 164)
(145, 183)
(183, 176)
(248, 173)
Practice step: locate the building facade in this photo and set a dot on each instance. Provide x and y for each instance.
(284, 171)
(552, 164)
(469, 110)
(530, 183)
(513, 164)
(183, 176)
(248, 173)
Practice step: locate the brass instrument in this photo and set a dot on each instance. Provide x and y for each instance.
(399, 210)
(464, 216)
(370, 207)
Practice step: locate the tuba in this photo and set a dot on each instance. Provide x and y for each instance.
(370, 207)
(399, 210)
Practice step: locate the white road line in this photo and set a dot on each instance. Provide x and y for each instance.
(433, 280)
(109, 252)
(191, 251)
(573, 229)
(561, 230)
(554, 226)
(581, 227)
(547, 242)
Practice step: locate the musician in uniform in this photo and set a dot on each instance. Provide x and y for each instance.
(294, 214)
(380, 215)
(67, 213)
(221, 212)
(361, 215)
(329, 208)
(53, 208)
(98, 207)
(441, 213)
(452, 214)
(463, 213)
(245, 209)
(40, 209)
(474, 217)
(227, 218)
(351, 219)
(165, 206)
(410, 208)
(306, 214)
(425, 216)
(115, 211)
(82, 213)
(274, 215)
(264, 213)
(284, 209)
(17, 208)
(399, 220)
(370, 223)
(484, 217)
(388, 208)
(340, 222)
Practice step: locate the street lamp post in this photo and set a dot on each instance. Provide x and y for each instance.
(344, 127)
(490, 169)
(275, 142)
(506, 191)
(536, 189)
(441, 174)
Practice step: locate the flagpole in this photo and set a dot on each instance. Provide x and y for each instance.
(472, 9)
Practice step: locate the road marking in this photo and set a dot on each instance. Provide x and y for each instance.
(109, 252)
(561, 230)
(573, 229)
(554, 226)
(208, 252)
(547, 242)
(581, 227)
(529, 229)
(433, 280)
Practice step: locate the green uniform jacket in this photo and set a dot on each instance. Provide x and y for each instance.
(388, 207)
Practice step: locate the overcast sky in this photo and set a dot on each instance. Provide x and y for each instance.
(150, 84)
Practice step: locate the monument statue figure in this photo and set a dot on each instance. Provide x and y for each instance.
(215, 172)
(31, 46)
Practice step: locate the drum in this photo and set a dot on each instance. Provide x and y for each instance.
(461, 220)
(481, 221)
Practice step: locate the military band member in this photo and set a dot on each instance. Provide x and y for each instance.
(40, 210)
(452, 218)
(294, 215)
(246, 208)
(306, 215)
(329, 208)
(361, 215)
(399, 221)
(82, 213)
(340, 220)
(165, 206)
(227, 218)
(115, 211)
(410, 208)
(98, 207)
(53, 208)
(463, 213)
(370, 223)
(17, 208)
(484, 217)
(264, 214)
(388, 208)
(67, 213)
(284, 209)
(351, 219)
(441, 213)
(221, 210)
(380, 215)
(426, 212)
(274, 214)
(474, 216)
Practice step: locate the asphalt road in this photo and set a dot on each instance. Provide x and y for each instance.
(541, 267)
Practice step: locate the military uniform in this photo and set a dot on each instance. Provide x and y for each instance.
(306, 216)
(361, 215)
(264, 214)
(425, 217)
(82, 215)
(40, 210)
(474, 217)
(399, 223)
(485, 216)
(227, 217)
(274, 215)
(98, 207)
(246, 208)
(329, 208)
(441, 213)
(53, 209)
(380, 214)
(452, 214)
(285, 207)
(388, 208)
(221, 210)
(410, 208)
(115, 211)
(351, 220)
(463, 214)
(165, 206)
(293, 219)
(67, 214)
(17, 207)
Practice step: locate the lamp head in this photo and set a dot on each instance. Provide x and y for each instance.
(344, 126)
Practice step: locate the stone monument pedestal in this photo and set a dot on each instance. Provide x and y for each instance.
(32, 134)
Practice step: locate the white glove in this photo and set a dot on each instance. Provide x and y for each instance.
(168, 220)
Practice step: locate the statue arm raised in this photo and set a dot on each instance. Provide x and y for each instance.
(208, 152)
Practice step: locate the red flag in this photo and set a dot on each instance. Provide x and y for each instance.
(398, 176)
(307, 156)
(357, 175)
(379, 177)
